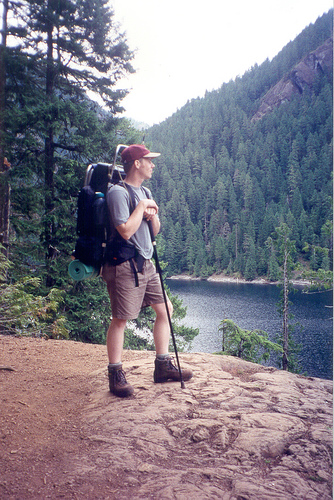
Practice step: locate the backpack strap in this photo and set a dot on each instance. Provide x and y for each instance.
(145, 191)
(131, 194)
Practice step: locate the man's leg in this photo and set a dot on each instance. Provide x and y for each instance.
(164, 368)
(115, 339)
(161, 330)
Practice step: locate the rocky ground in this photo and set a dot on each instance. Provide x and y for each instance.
(237, 431)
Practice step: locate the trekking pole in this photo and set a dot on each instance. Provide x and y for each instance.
(165, 298)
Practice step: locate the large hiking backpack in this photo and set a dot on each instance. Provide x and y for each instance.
(92, 218)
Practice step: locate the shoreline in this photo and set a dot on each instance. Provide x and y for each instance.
(223, 278)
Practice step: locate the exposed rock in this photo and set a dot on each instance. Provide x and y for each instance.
(237, 431)
(297, 80)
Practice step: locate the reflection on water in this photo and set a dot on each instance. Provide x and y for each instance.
(255, 307)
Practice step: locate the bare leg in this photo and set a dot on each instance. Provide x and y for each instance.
(161, 329)
(115, 340)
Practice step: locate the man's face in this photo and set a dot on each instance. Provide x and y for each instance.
(146, 167)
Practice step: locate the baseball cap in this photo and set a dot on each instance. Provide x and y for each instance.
(135, 152)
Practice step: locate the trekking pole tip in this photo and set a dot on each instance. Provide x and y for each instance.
(182, 385)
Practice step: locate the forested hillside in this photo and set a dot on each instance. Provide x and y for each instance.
(225, 181)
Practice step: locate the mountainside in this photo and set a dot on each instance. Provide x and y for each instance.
(298, 80)
(227, 179)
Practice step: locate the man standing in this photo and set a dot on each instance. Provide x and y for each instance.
(130, 275)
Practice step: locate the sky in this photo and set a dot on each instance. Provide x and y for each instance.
(184, 48)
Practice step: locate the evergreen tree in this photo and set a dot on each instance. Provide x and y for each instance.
(286, 249)
(252, 345)
(4, 164)
(250, 268)
(71, 48)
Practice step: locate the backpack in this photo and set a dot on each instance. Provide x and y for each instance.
(92, 218)
(93, 225)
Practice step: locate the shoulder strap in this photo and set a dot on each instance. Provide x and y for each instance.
(132, 194)
(146, 192)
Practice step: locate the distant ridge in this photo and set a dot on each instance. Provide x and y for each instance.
(139, 125)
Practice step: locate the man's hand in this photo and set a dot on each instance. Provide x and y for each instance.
(149, 206)
(146, 209)
(150, 209)
(149, 213)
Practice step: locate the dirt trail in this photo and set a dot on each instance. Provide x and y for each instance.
(237, 431)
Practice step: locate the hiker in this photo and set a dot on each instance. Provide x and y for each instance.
(133, 283)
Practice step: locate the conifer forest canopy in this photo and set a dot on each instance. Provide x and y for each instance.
(224, 182)
(227, 179)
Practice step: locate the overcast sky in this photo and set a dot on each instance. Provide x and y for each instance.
(184, 47)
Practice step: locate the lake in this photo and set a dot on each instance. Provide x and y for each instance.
(254, 306)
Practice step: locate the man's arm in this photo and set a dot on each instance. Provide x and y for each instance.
(146, 208)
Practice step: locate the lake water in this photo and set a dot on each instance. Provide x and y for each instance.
(253, 306)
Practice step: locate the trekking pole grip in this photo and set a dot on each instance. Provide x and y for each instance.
(150, 226)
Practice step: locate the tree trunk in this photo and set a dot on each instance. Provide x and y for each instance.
(4, 164)
(49, 160)
(240, 348)
(285, 360)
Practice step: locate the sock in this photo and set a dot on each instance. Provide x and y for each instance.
(162, 356)
(115, 365)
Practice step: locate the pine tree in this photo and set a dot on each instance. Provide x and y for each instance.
(286, 248)
(75, 48)
(4, 164)
(250, 268)
(252, 345)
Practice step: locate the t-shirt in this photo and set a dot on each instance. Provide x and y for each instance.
(119, 200)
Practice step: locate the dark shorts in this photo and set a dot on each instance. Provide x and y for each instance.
(126, 299)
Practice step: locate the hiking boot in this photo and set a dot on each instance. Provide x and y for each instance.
(117, 382)
(165, 370)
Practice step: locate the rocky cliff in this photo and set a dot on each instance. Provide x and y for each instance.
(298, 79)
(237, 431)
